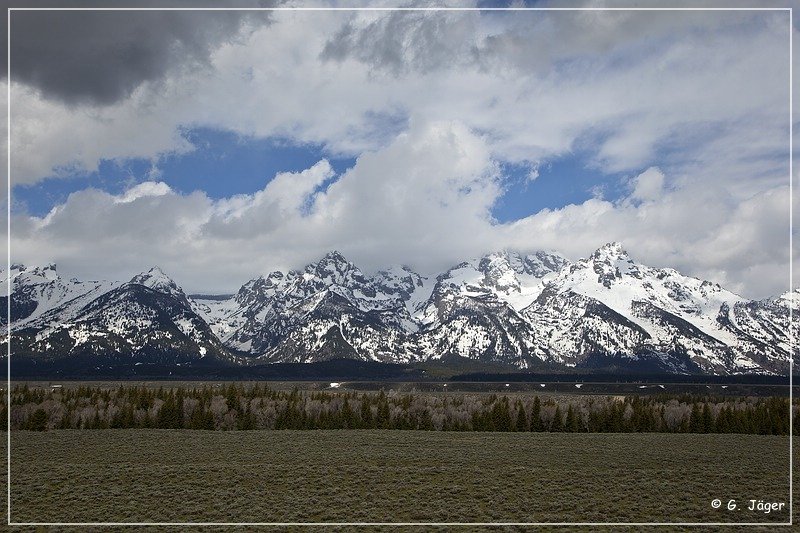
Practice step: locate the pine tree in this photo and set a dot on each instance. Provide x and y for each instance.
(179, 408)
(722, 425)
(557, 425)
(536, 415)
(708, 421)
(383, 420)
(425, 421)
(572, 421)
(144, 400)
(696, 419)
(232, 397)
(197, 420)
(37, 421)
(348, 416)
(167, 416)
(501, 416)
(522, 419)
(245, 420)
(366, 412)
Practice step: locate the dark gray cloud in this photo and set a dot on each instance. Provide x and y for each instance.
(403, 41)
(100, 57)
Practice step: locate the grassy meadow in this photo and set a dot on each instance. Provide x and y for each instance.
(379, 475)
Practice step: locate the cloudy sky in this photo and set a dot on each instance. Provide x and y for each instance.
(224, 145)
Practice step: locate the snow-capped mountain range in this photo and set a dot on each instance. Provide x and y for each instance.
(605, 311)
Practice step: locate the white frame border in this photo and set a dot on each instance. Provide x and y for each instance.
(496, 524)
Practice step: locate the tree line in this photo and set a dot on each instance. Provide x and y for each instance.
(245, 407)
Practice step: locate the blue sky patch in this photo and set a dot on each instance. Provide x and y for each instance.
(223, 164)
(567, 180)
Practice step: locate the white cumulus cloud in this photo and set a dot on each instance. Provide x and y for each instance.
(693, 106)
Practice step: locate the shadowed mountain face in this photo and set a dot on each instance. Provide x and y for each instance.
(524, 310)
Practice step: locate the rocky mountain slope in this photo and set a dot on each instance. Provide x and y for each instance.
(605, 311)
(147, 320)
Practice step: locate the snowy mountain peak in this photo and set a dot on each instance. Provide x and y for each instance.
(609, 252)
(609, 262)
(789, 299)
(255, 290)
(35, 275)
(39, 292)
(400, 280)
(537, 264)
(335, 269)
(154, 276)
(498, 272)
(398, 271)
(48, 271)
(509, 276)
(541, 263)
(156, 279)
(504, 307)
(276, 275)
(333, 261)
(335, 255)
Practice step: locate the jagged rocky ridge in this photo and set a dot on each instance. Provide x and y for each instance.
(525, 310)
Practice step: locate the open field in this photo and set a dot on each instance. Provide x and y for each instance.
(181, 475)
(542, 388)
